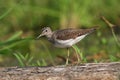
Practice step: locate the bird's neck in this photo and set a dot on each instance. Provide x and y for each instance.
(49, 35)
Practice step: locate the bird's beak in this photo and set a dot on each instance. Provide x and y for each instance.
(39, 36)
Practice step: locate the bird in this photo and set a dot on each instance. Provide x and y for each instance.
(65, 38)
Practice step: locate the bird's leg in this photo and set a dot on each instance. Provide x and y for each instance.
(68, 53)
(78, 56)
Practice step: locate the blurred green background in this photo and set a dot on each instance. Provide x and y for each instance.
(21, 22)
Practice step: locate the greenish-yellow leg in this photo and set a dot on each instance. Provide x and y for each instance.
(68, 53)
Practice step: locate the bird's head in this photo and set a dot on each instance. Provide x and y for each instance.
(46, 31)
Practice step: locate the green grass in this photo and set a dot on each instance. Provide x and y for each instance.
(21, 23)
(27, 60)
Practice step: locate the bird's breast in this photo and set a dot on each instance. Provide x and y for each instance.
(67, 43)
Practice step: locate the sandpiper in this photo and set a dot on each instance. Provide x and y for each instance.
(65, 38)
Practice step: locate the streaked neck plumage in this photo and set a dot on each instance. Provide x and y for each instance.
(49, 35)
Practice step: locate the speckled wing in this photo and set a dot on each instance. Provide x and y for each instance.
(70, 33)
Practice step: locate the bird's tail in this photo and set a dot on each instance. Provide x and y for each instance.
(93, 29)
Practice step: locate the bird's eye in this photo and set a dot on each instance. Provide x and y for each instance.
(45, 30)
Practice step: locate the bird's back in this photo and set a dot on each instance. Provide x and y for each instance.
(71, 33)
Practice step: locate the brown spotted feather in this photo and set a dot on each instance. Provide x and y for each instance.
(70, 33)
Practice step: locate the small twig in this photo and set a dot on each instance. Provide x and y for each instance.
(111, 27)
(107, 22)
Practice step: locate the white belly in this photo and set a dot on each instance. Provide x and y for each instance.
(68, 43)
